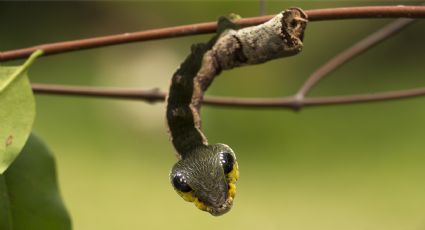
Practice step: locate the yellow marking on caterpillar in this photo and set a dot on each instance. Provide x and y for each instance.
(232, 177)
(190, 197)
(199, 204)
(187, 196)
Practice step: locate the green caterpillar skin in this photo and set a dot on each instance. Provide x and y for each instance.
(207, 174)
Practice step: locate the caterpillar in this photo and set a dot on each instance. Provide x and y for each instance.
(206, 174)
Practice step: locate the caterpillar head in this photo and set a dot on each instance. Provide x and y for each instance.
(207, 177)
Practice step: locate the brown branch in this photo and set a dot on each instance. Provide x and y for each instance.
(154, 95)
(352, 52)
(150, 95)
(210, 27)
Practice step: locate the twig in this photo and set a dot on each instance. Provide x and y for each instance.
(154, 95)
(150, 95)
(351, 53)
(210, 27)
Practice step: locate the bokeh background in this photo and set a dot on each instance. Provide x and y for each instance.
(358, 166)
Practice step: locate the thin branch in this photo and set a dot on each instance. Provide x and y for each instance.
(149, 95)
(210, 27)
(294, 104)
(398, 11)
(154, 95)
(352, 52)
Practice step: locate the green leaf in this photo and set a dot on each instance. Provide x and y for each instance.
(29, 195)
(17, 110)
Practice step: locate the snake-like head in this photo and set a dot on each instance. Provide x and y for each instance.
(207, 177)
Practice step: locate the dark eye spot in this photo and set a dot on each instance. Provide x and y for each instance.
(180, 183)
(294, 23)
(227, 161)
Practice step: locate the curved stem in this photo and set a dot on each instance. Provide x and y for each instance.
(352, 52)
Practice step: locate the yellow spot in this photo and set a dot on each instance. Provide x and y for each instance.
(187, 196)
(200, 204)
(190, 197)
(232, 177)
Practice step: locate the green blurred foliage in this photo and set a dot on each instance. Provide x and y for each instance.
(343, 167)
(30, 197)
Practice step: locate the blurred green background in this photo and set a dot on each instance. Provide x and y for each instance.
(357, 166)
